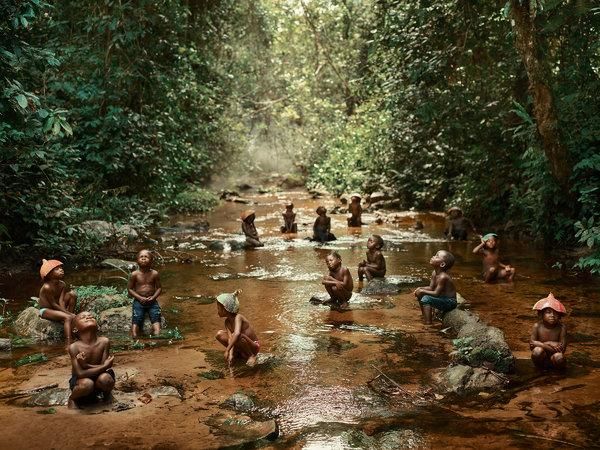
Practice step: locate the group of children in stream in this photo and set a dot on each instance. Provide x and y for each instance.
(92, 373)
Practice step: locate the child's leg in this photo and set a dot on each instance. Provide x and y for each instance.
(490, 274)
(539, 356)
(83, 388)
(154, 313)
(70, 300)
(223, 337)
(59, 316)
(361, 273)
(558, 360)
(427, 314)
(137, 318)
(294, 228)
(105, 383)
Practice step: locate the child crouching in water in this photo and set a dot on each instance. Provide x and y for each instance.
(374, 266)
(338, 282)
(90, 361)
(549, 336)
(441, 293)
(238, 337)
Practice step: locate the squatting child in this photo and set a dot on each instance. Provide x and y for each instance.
(238, 337)
(493, 269)
(91, 362)
(144, 286)
(355, 219)
(57, 303)
(441, 293)
(457, 225)
(322, 226)
(374, 266)
(548, 341)
(289, 217)
(249, 228)
(338, 282)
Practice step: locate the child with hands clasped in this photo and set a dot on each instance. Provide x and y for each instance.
(493, 269)
(57, 303)
(338, 282)
(249, 229)
(238, 337)
(441, 293)
(289, 217)
(549, 336)
(90, 361)
(144, 286)
(374, 266)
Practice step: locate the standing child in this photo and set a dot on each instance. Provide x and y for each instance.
(548, 341)
(238, 337)
(90, 362)
(249, 228)
(57, 303)
(441, 293)
(338, 282)
(493, 269)
(457, 225)
(355, 210)
(144, 286)
(322, 226)
(289, 217)
(374, 266)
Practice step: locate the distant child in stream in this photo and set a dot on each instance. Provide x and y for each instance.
(441, 293)
(57, 303)
(338, 282)
(548, 341)
(289, 218)
(355, 220)
(322, 226)
(457, 225)
(374, 266)
(238, 337)
(91, 362)
(144, 286)
(493, 269)
(249, 228)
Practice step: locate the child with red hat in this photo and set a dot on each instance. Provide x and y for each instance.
(549, 336)
(57, 303)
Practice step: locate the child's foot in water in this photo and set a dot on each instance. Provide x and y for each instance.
(251, 361)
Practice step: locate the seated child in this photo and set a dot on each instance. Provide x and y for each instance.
(249, 228)
(90, 362)
(238, 337)
(144, 286)
(441, 293)
(548, 341)
(322, 226)
(493, 270)
(457, 226)
(338, 282)
(355, 210)
(289, 217)
(57, 303)
(374, 266)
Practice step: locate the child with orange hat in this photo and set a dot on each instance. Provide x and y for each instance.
(57, 303)
(249, 228)
(549, 336)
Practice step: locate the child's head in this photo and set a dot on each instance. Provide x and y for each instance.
(442, 259)
(228, 304)
(333, 261)
(455, 212)
(490, 240)
(321, 211)
(355, 198)
(52, 270)
(248, 216)
(145, 258)
(83, 321)
(289, 206)
(550, 310)
(375, 241)
(549, 316)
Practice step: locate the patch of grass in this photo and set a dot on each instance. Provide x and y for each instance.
(31, 359)
(212, 375)
(20, 341)
(47, 411)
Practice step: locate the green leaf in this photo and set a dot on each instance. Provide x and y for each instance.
(21, 100)
(64, 124)
(42, 113)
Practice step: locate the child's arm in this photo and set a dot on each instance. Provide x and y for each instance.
(48, 298)
(562, 339)
(328, 224)
(157, 287)
(479, 248)
(233, 337)
(377, 264)
(440, 285)
(534, 342)
(131, 288)
(105, 354)
(92, 371)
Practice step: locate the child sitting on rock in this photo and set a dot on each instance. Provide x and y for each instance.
(144, 286)
(90, 361)
(355, 220)
(374, 266)
(493, 269)
(238, 337)
(548, 341)
(338, 282)
(441, 293)
(57, 303)
(289, 217)
(249, 228)
(322, 226)
(457, 225)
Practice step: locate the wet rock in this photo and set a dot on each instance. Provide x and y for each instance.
(239, 430)
(388, 204)
(127, 231)
(239, 402)
(457, 318)
(456, 377)
(30, 324)
(381, 286)
(484, 380)
(344, 199)
(225, 194)
(118, 320)
(112, 263)
(229, 245)
(357, 301)
(164, 391)
(106, 230)
(377, 197)
(50, 397)
(244, 187)
(194, 226)
(388, 440)
(5, 345)
(291, 181)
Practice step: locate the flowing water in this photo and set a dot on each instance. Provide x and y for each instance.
(317, 376)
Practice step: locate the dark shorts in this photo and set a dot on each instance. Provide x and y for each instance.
(444, 304)
(73, 379)
(140, 310)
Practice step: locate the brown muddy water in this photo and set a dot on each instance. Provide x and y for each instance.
(317, 363)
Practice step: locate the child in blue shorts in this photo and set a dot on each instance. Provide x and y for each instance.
(144, 286)
(441, 293)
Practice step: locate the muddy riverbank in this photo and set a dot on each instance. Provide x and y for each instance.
(315, 380)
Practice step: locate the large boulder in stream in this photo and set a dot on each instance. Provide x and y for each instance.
(30, 324)
(118, 320)
(115, 263)
(106, 230)
(462, 379)
(357, 301)
(389, 285)
(230, 245)
(50, 397)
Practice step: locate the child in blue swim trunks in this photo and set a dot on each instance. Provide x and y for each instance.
(441, 293)
(144, 286)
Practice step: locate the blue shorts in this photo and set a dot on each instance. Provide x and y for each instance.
(139, 312)
(444, 304)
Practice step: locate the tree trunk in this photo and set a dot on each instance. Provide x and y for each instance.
(538, 74)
